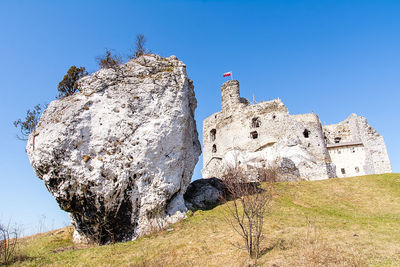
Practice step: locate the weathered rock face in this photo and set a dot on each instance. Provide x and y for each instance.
(119, 154)
(289, 157)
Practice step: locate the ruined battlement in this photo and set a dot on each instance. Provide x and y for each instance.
(265, 134)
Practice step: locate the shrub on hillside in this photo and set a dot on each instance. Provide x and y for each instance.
(69, 86)
(249, 206)
(8, 243)
(140, 46)
(109, 61)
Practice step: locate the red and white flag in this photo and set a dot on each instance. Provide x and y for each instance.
(226, 74)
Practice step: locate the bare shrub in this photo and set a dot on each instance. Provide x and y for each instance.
(8, 243)
(109, 61)
(249, 206)
(140, 46)
(102, 234)
(267, 175)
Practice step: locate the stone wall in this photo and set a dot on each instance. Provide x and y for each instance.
(266, 135)
(263, 134)
(356, 148)
(349, 160)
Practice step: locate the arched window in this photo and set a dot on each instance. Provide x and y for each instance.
(255, 122)
(213, 134)
(337, 140)
(214, 149)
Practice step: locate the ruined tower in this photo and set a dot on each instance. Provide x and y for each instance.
(230, 95)
(263, 134)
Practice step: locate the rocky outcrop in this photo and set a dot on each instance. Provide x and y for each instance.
(205, 194)
(119, 154)
(289, 157)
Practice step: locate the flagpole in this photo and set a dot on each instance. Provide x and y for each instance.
(231, 76)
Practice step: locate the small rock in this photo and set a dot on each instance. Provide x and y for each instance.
(86, 158)
(204, 194)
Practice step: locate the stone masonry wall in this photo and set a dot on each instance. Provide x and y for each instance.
(368, 154)
(263, 134)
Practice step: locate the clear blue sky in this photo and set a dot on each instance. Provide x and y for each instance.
(329, 57)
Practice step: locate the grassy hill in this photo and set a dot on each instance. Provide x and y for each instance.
(336, 222)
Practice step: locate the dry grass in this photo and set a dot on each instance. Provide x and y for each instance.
(336, 222)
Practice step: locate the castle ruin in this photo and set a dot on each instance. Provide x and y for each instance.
(266, 135)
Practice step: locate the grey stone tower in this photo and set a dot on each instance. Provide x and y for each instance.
(230, 95)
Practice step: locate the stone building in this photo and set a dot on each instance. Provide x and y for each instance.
(356, 148)
(266, 135)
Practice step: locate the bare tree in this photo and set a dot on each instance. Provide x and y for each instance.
(140, 48)
(8, 242)
(109, 61)
(248, 208)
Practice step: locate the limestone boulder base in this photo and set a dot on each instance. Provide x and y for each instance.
(205, 194)
(119, 155)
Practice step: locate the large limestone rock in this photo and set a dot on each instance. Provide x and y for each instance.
(119, 154)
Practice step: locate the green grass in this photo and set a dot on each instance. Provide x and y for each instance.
(335, 222)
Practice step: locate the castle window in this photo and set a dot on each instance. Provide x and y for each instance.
(306, 133)
(343, 171)
(213, 134)
(337, 140)
(274, 117)
(357, 169)
(214, 149)
(255, 122)
(254, 135)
